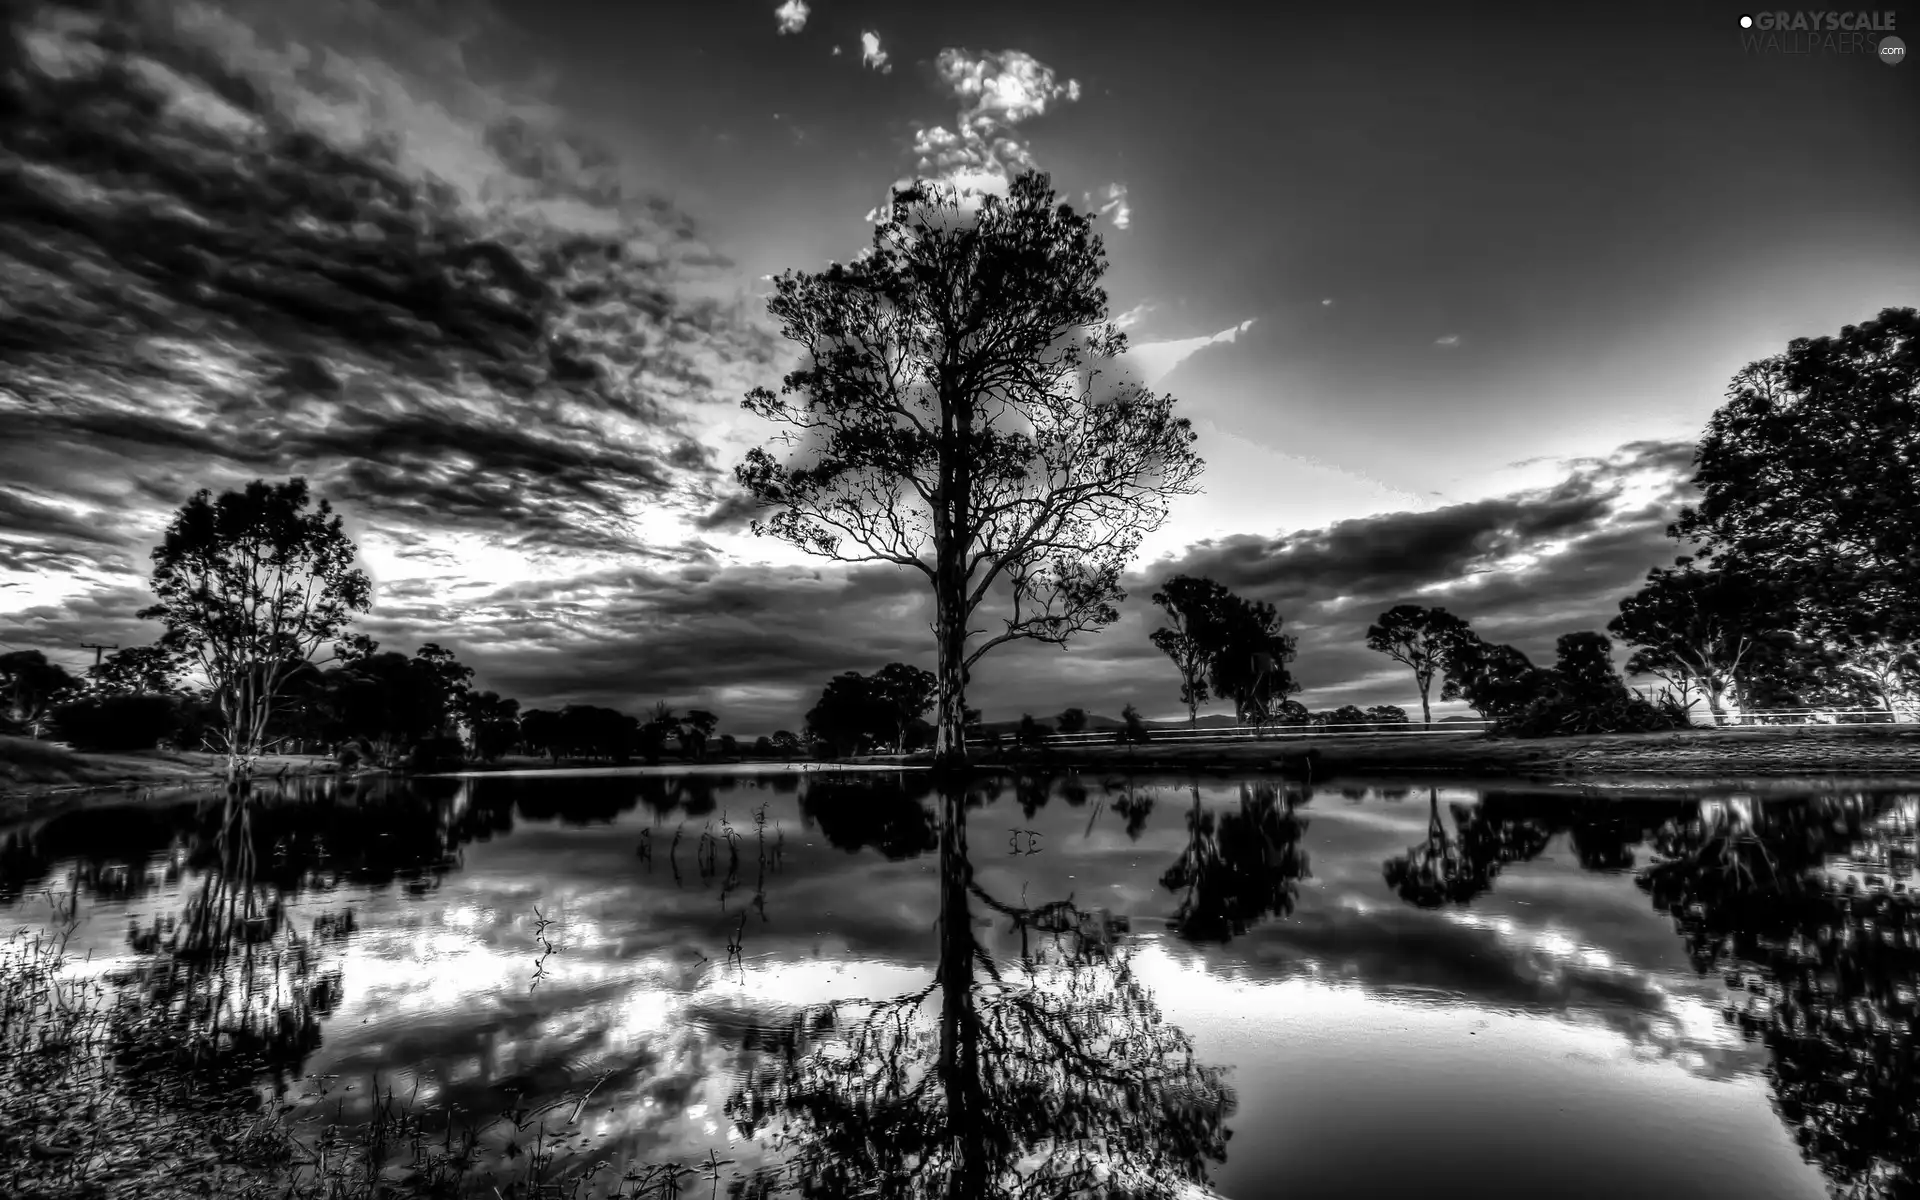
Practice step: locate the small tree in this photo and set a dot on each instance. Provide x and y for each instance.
(904, 693)
(250, 586)
(137, 671)
(1194, 609)
(1419, 638)
(785, 743)
(1497, 681)
(31, 686)
(1133, 730)
(1073, 720)
(1032, 734)
(958, 426)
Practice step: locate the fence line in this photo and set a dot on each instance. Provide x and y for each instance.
(1751, 719)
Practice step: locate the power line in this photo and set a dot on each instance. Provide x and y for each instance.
(96, 650)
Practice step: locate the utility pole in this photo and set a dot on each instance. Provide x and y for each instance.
(96, 651)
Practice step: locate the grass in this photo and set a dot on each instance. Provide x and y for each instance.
(77, 1120)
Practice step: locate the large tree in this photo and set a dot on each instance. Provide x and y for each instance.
(1419, 638)
(958, 422)
(250, 586)
(1810, 472)
(1699, 623)
(1248, 658)
(1190, 637)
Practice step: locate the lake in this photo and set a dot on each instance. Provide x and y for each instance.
(842, 984)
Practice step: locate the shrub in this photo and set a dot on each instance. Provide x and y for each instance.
(1558, 715)
(1134, 731)
(437, 754)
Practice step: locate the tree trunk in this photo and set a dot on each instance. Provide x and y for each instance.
(1714, 705)
(950, 744)
(959, 1063)
(1426, 713)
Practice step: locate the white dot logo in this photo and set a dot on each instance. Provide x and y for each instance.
(1893, 51)
(1746, 22)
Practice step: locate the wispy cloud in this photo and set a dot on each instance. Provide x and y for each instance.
(872, 56)
(1114, 204)
(792, 16)
(1451, 339)
(1156, 360)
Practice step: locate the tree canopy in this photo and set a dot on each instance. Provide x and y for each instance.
(249, 585)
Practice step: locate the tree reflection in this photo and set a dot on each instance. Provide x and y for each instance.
(889, 814)
(1239, 866)
(1809, 909)
(1460, 866)
(226, 991)
(1044, 1071)
(1440, 870)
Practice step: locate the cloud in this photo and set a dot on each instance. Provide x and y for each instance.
(997, 91)
(1114, 202)
(792, 16)
(1451, 339)
(1156, 360)
(256, 247)
(1327, 303)
(871, 55)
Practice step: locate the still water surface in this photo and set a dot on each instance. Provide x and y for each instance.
(847, 985)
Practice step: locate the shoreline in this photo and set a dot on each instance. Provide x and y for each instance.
(1878, 753)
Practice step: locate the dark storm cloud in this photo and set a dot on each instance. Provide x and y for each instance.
(219, 263)
(1470, 559)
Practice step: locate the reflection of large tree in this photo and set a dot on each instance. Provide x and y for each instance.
(1809, 906)
(1046, 1072)
(1239, 865)
(225, 991)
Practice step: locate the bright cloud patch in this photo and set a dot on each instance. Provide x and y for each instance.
(997, 91)
(1114, 204)
(792, 16)
(872, 56)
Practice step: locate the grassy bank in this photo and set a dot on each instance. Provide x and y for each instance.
(1866, 750)
(32, 771)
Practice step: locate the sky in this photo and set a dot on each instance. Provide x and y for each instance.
(1447, 294)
